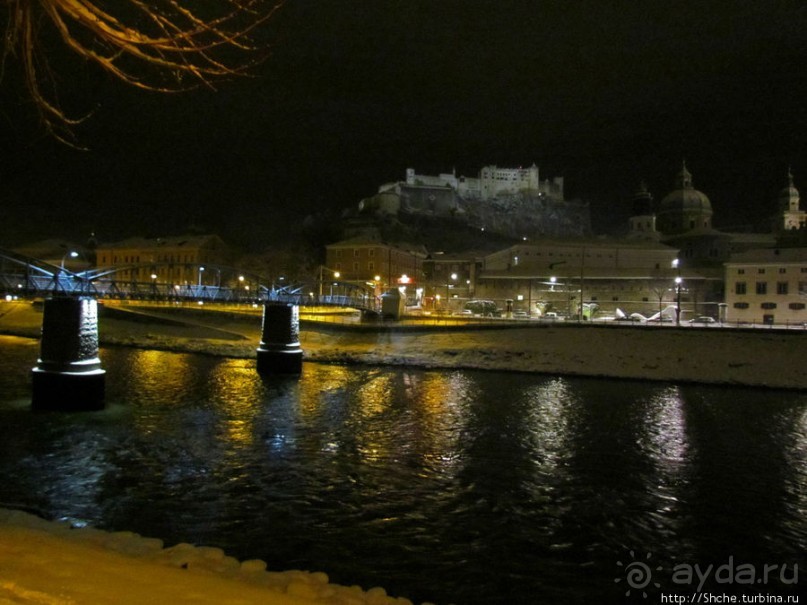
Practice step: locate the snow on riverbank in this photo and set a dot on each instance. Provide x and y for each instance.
(748, 357)
(49, 563)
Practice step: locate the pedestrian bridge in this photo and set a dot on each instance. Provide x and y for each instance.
(26, 277)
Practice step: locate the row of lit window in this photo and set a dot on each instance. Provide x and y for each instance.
(795, 306)
(135, 258)
(761, 287)
(761, 270)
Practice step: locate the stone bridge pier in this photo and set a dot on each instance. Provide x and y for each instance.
(68, 374)
(279, 351)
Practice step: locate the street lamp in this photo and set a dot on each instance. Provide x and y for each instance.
(71, 254)
(677, 266)
(322, 269)
(201, 270)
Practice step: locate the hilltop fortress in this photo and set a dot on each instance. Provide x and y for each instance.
(510, 201)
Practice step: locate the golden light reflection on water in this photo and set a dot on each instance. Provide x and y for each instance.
(317, 382)
(237, 391)
(156, 371)
(439, 405)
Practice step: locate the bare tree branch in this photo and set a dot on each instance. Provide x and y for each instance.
(156, 45)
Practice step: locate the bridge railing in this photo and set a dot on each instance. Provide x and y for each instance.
(75, 284)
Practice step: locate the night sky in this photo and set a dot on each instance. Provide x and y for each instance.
(606, 94)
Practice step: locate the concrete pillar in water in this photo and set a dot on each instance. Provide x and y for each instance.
(279, 351)
(68, 374)
(393, 304)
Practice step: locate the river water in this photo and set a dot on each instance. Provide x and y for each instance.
(463, 487)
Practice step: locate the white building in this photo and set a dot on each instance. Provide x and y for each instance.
(767, 286)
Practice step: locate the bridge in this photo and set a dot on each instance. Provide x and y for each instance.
(69, 376)
(26, 277)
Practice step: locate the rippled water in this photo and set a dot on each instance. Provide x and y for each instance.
(449, 486)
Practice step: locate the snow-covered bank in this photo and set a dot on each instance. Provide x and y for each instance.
(49, 563)
(750, 357)
(712, 356)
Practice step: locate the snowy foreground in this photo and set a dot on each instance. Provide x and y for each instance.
(49, 563)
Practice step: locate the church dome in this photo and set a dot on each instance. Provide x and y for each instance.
(684, 208)
(685, 196)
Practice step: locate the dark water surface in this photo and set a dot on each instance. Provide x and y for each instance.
(448, 486)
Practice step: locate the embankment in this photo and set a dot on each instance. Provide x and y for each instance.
(753, 357)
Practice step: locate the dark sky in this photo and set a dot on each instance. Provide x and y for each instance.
(603, 93)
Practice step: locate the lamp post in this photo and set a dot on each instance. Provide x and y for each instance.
(677, 266)
(322, 269)
(71, 254)
(450, 285)
(58, 276)
(201, 270)
(336, 275)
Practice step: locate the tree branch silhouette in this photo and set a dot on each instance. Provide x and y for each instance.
(155, 45)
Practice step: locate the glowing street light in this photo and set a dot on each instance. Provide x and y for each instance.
(322, 269)
(71, 254)
(677, 266)
(201, 270)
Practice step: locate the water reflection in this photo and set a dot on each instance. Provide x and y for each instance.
(742, 475)
(451, 486)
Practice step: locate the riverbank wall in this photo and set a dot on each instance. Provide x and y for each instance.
(768, 357)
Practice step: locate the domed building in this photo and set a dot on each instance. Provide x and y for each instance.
(684, 209)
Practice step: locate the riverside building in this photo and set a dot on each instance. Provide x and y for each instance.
(379, 265)
(557, 275)
(767, 286)
(179, 260)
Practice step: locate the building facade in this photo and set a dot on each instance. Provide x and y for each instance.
(375, 264)
(767, 286)
(626, 274)
(180, 260)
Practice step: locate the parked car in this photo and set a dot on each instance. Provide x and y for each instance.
(485, 308)
(704, 319)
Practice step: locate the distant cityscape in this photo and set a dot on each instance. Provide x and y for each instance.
(509, 237)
